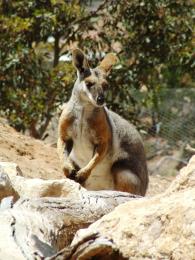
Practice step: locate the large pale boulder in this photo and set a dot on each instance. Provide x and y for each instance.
(35, 227)
(161, 227)
(8, 170)
(186, 178)
(12, 183)
(6, 188)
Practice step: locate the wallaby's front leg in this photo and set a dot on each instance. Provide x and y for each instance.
(64, 148)
(64, 145)
(85, 172)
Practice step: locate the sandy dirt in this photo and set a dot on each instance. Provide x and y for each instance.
(39, 160)
(35, 158)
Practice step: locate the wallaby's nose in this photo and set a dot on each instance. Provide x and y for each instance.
(100, 99)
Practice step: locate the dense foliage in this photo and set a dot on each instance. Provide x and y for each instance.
(153, 39)
(33, 84)
(157, 49)
(33, 80)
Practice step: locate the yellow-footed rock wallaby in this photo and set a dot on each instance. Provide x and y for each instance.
(94, 141)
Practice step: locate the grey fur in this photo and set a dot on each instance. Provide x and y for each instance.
(130, 151)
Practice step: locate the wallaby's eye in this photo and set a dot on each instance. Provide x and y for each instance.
(89, 84)
(105, 86)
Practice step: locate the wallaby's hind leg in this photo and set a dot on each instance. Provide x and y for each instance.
(125, 180)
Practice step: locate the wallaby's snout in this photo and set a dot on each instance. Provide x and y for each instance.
(93, 89)
(100, 99)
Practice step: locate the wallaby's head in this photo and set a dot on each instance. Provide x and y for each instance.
(91, 84)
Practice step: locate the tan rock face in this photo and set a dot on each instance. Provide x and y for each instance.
(34, 158)
(8, 170)
(186, 179)
(5, 186)
(11, 169)
(161, 227)
(158, 228)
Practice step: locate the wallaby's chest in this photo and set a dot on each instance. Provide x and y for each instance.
(81, 131)
(83, 136)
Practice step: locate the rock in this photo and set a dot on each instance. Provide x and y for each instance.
(12, 183)
(7, 203)
(37, 228)
(10, 168)
(6, 188)
(186, 178)
(37, 188)
(7, 172)
(34, 157)
(160, 227)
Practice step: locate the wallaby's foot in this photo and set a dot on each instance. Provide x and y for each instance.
(82, 175)
(69, 170)
(72, 175)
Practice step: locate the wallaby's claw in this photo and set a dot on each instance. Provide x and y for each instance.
(82, 176)
(80, 179)
(72, 175)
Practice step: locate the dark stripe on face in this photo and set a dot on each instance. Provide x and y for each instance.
(96, 73)
(84, 74)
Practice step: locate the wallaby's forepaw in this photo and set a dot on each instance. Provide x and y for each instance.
(82, 175)
(69, 170)
(72, 175)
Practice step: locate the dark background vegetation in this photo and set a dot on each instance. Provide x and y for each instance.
(152, 84)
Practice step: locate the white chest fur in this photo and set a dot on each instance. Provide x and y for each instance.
(83, 148)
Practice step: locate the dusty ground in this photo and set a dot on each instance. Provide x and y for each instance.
(37, 159)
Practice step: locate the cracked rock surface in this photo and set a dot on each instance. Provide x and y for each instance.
(160, 227)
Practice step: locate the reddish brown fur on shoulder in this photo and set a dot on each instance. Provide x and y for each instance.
(64, 124)
(101, 126)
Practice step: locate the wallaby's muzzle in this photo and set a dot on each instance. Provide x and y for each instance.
(100, 100)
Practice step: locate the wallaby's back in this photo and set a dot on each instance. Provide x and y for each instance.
(128, 150)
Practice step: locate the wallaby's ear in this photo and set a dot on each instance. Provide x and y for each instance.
(106, 64)
(80, 61)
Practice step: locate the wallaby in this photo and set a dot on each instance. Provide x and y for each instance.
(95, 139)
